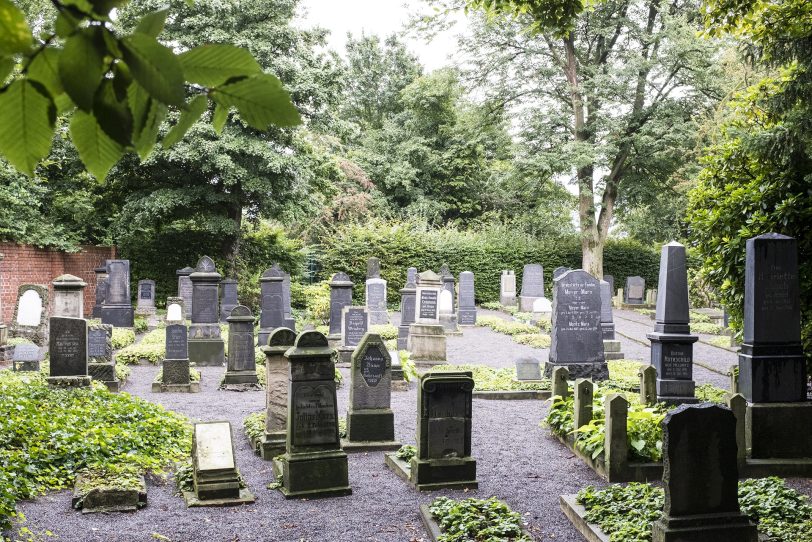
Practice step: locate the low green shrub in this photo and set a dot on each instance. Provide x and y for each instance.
(133, 354)
(536, 340)
(707, 328)
(140, 324)
(699, 318)
(386, 331)
(492, 305)
(477, 519)
(254, 425)
(409, 368)
(14, 341)
(708, 393)
(491, 379)
(122, 372)
(506, 327)
(156, 336)
(406, 452)
(122, 337)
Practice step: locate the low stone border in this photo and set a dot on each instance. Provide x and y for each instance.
(246, 497)
(370, 446)
(575, 513)
(403, 470)
(160, 387)
(507, 395)
(108, 499)
(629, 472)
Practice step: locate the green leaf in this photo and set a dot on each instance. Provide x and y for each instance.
(153, 23)
(28, 124)
(6, 65)
(81, 67)
(98, 152)
(65, 24)
(45, 69)
(148, 114)
(219, 119)
(261, 101)
(113, 114)
(155, 67)
(212, 65)
(194, 110)
(15, 34)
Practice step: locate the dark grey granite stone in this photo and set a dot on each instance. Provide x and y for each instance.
(408, 306)
(672, 288)
(428, 303)
(185, 288)
(241, 352)
(117, 309)
(340, 297)
(290, 322)
(466, 313)
(272, 315)
(354, 325)
(26, 357)
(558, 271)
(177, 346)
(68, 346)
(635, 291)
(528, 369)
(533, 280)
(100, 343)
(371, 374)
(611, 280)
(228, 298)
(206, 345)
(146, 292)
(101, 290)
(376, 300)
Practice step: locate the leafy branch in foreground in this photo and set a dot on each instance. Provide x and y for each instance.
(118, 88)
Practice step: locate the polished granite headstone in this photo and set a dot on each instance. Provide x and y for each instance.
(206, 346)
(67, 347)
(340, 297)
(272, 304)
(466, 312)
(117, 310)
(241, 373)
(100, 291)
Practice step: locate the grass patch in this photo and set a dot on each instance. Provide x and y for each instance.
(122, 337)
(386, 331)
(707, 328)
(490, 379)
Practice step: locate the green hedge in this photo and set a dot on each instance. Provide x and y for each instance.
(486, 253)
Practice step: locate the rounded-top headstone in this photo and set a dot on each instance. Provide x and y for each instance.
(310, 339)
(240, 313)
(68, 282)
(340, 279)
(205, 265)
(282, 336)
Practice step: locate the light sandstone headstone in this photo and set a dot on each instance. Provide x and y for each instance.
(206, 346)
(215, 475)
(69, 296)
(449, 284)
(427, 341)
(445, 309)
(507, 289)
(376, 301)
(528, 369)
(117, 310)
(272, 443)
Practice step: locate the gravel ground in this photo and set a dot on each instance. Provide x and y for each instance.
(517, 461)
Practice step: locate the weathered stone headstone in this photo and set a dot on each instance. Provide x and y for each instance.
(31, 314)
(340, 297)
(26, 357)
(507, 289)
(228, 298)
(272, 443)
(611, 346)
(370, 420)
(376, 301)
(215, 474)
(67, 347)
(101, 364)
(411, 275)
(651, 296)
(69, 296)
(672, 345)
(427, 341)
(611, 280)
(176, 373)
(542, 307)
(408, 310)
(272, 304)
(101, 290)
(576, 332)
(241, 373)
(466, 312)
(700, 475)
(558, 271)
(206, 346)
(373, 268)
(772, 371)
(314, 463)
(354, 325)
(287, 311)
(443, 459)
(175, 311)
(185, 288)
(117, 310)
(528, 369)
(145, 304)
(532, 286)
(635, 291)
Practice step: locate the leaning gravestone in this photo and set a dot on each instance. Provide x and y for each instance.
(215, 474)
(635, 291)
(101, 365)
(408, 309)
(145, 304)
(176, 373)
(340, 297)
(354, 325)
(532, 286)
(26, 357)
(272, 314)
(69, 296)
(206, 346)
(370, 420)
(528, 369)
(576, 331)
(67, 347)
(672, 345)
(507, 289)
(241, 373)
(185, 288)
(376, 294)
(30, 319)
(314, 463)
(466, 311)
(117, 310)
(101, 290)
(272, 442)
(427, 341)
(700, 475)
(443, 459)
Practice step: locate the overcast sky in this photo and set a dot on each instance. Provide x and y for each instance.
(381, 17)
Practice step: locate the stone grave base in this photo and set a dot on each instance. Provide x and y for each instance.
(268, 446)
(104, 499)
(105, 373)
(26, 366)
(333, 340)
(506, 395)
(314, 475)
(345, 356)
(625, 305)
(207, 352)
(370, 446)
(427, 344)
(192, 501)
(576, 514)
(449, 323)
(779, 431)
(466, 317)
(118, 315)
(611, 350)
(526, 303)
(240, 381)
(371, 425)
(435, 474)
(595, 371)
(145, 311)
(160, 387)
(732, 527)
(628, 472)
(68, 381)
(507, 300)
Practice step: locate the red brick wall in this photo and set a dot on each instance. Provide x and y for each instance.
(23, 264)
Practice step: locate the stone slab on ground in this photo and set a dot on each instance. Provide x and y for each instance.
(106, 499)
(575, 513)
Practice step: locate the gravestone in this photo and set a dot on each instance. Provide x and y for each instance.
(772, 371)
(26, 357)
(672, 345)
(370, 420)
(287, 311)
(577, 341)
(241, 373)
(101, 364)
(449, 285)
(340, 297)
(206, 346)
(67, 347)
(466, 311)
(532, 286)
(427, 341)
(376, 301)
(408, 309)
(30, 319)
(185, 288)
(175, 311)
(558, 271)
(117, 309)
(101, 290)
(542, 307)
(445, 310)
(272, 442)
(215, 475)
(507, 289)
(176, 372)
(635, 291)
(700, 475)
(651, 296)
(411, 275)
(69, 296)
(272, 314)
(314, 463)
(611, 346)
(145, 304)
(443, 459)
(611, 280)
(528, 369)
(228, 298)
(354, 325)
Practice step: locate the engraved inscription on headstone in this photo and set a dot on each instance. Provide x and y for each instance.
(314, 420)
(176, 342)
(204, 305)
(145, 291)
(356, 323)
(528, 369)
(428, 304)
(68, 346)
(97, 343)
(373, 366)
(213, 447)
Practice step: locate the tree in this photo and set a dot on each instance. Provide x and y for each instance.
(610, 93)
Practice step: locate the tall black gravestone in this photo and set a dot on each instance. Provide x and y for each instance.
(228, 298)
(206, 346)
(340, 297)
(117, 309)
(272, 314)
(67, 347)
(101, 290)
(241, 373)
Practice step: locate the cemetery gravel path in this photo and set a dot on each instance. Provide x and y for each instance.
(517, 461)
